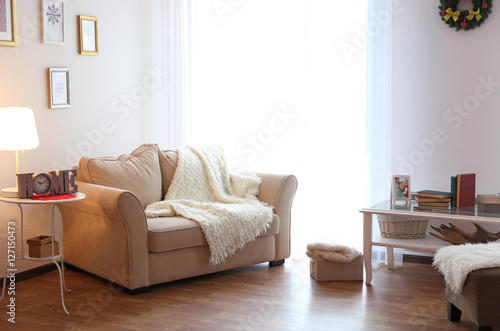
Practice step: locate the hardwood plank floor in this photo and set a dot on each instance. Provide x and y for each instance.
(251, 298)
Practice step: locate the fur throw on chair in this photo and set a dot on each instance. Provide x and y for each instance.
(455, 262)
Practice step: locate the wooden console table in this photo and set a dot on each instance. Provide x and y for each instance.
(428, 244)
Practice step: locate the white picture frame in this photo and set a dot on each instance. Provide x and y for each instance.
(400, 189)
(53, 21)
(59, 88)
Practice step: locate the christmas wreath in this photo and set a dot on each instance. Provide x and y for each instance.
(465, 19)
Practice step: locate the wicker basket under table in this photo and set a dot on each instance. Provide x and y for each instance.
(399, 227)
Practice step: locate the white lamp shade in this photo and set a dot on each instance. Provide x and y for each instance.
(17, 129)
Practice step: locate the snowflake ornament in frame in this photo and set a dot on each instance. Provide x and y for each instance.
(59, 88)
(52, 12)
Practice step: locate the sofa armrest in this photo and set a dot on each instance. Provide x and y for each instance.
(278, 191)
(106, 234)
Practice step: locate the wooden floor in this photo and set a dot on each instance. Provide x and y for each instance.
(251, 298)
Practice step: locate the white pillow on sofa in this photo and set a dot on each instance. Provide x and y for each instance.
(138, 172)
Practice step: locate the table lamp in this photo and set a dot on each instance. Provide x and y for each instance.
(17, 133)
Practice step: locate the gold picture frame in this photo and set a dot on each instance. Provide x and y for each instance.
(8, 24)
(89, 35)
(59, 88)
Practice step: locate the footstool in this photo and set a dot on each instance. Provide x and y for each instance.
(323, 270)
(479, 299)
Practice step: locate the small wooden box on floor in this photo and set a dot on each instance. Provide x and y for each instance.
(41, 246)
(323, 270)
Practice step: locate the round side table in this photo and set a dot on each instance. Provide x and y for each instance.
(53, 257)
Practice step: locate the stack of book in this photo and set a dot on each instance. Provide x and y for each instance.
(433, 198)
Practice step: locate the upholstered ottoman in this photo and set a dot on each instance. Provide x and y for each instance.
(479, 299)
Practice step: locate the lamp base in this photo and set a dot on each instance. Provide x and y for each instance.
(10, 192)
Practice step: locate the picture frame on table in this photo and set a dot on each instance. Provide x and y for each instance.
(8, 23)
(59, 88)
(89, 35)
(400, 189)
(53, 21)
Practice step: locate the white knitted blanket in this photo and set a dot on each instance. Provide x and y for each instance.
(224, 204)
(455, 262)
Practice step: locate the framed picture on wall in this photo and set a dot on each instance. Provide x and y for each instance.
(52, 12)
(59, 88)
(89, 35)
(8, 23)
(400, 189)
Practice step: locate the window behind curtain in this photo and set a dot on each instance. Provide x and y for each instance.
(281, 86)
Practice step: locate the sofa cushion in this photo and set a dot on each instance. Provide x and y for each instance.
(168, 163)
(138, 172)
(176, 232)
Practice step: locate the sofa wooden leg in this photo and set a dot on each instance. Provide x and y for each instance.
(138, 290)
(482, 328)
(454, 313)
(276, 263)
(72, 267)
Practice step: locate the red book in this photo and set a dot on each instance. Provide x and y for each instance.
(466, 190)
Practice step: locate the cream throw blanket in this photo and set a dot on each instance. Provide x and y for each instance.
(332, 252)
(224, 204)
(455, 262)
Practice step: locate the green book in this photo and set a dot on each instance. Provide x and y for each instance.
(433, 194)
(453, 191)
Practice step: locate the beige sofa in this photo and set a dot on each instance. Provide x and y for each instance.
(108, 234)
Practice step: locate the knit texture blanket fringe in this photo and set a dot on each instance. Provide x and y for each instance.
(332, 252)
(455, 262)
(224, 203)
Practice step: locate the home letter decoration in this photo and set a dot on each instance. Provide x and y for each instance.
(57, 182)
(61, 182)
(69, 181)
(25, 184)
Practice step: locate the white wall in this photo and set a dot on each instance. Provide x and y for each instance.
(121, 87)
(435, 71)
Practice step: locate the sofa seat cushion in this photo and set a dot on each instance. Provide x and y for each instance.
(176, 232)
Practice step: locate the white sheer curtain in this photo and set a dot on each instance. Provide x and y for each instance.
(281, 86)
(378, 115)
(177, 49)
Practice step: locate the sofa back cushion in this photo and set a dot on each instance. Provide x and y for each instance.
(138, 172)
(168, 163)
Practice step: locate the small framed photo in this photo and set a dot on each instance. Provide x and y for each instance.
(52, 12)
(89, 35)
(8, 23)
(400, 189)
(59, 88)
